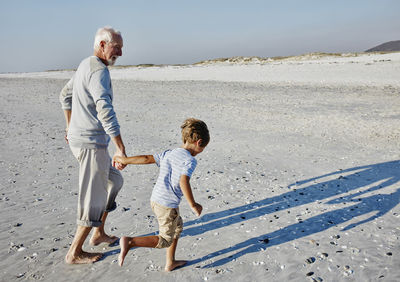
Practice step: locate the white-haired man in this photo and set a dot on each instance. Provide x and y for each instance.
(91, 122)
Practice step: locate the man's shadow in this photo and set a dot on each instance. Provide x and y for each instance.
(349, 185)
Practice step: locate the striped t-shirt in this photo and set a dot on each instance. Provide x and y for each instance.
(173, 164)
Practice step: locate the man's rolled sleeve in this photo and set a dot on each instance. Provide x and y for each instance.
(66, 95)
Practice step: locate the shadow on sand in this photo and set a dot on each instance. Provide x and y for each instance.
(350, 187)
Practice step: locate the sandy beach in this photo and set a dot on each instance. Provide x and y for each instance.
(300, 182)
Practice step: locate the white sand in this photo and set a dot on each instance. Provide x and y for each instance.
(304, 153)
(367, 69)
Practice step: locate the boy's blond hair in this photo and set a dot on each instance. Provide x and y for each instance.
(193, 130)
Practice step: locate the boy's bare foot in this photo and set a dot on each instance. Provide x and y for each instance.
(83, 258)
(104, 238)
(124, 244)
(175, 264)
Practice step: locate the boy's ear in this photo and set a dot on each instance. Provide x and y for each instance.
(199, 142)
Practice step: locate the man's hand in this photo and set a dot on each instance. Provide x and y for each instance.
(119, 159)
(197, 208)
(67, 115)
(120, 152)
(118, 165)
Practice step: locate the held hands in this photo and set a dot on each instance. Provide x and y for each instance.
(197, 208)
(118, 160)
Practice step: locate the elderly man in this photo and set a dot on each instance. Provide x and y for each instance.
(91, 122)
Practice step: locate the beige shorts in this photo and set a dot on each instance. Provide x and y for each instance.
(99, 184)
(170, 224)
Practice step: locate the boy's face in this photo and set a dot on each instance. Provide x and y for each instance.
(197, 149)
(194, 148)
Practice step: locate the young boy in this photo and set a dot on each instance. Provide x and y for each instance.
(176, 168)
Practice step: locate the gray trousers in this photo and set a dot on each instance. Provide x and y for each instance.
(99, 184)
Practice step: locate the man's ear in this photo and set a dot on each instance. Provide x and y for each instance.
(199, 142)
(102, 44)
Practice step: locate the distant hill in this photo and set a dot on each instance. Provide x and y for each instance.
(390, 46)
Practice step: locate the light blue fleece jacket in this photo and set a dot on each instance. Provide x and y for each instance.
(89, 96)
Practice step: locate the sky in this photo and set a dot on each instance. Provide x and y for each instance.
(40, 35)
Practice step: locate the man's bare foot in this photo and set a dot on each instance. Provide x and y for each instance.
(124, 244)
(175, 264)
(104, 238)
(83, 258)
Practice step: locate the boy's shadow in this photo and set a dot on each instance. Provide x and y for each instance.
(354, 183)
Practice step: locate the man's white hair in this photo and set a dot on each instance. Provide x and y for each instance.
(104, 34)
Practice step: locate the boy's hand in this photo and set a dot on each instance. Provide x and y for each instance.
(197, 208)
